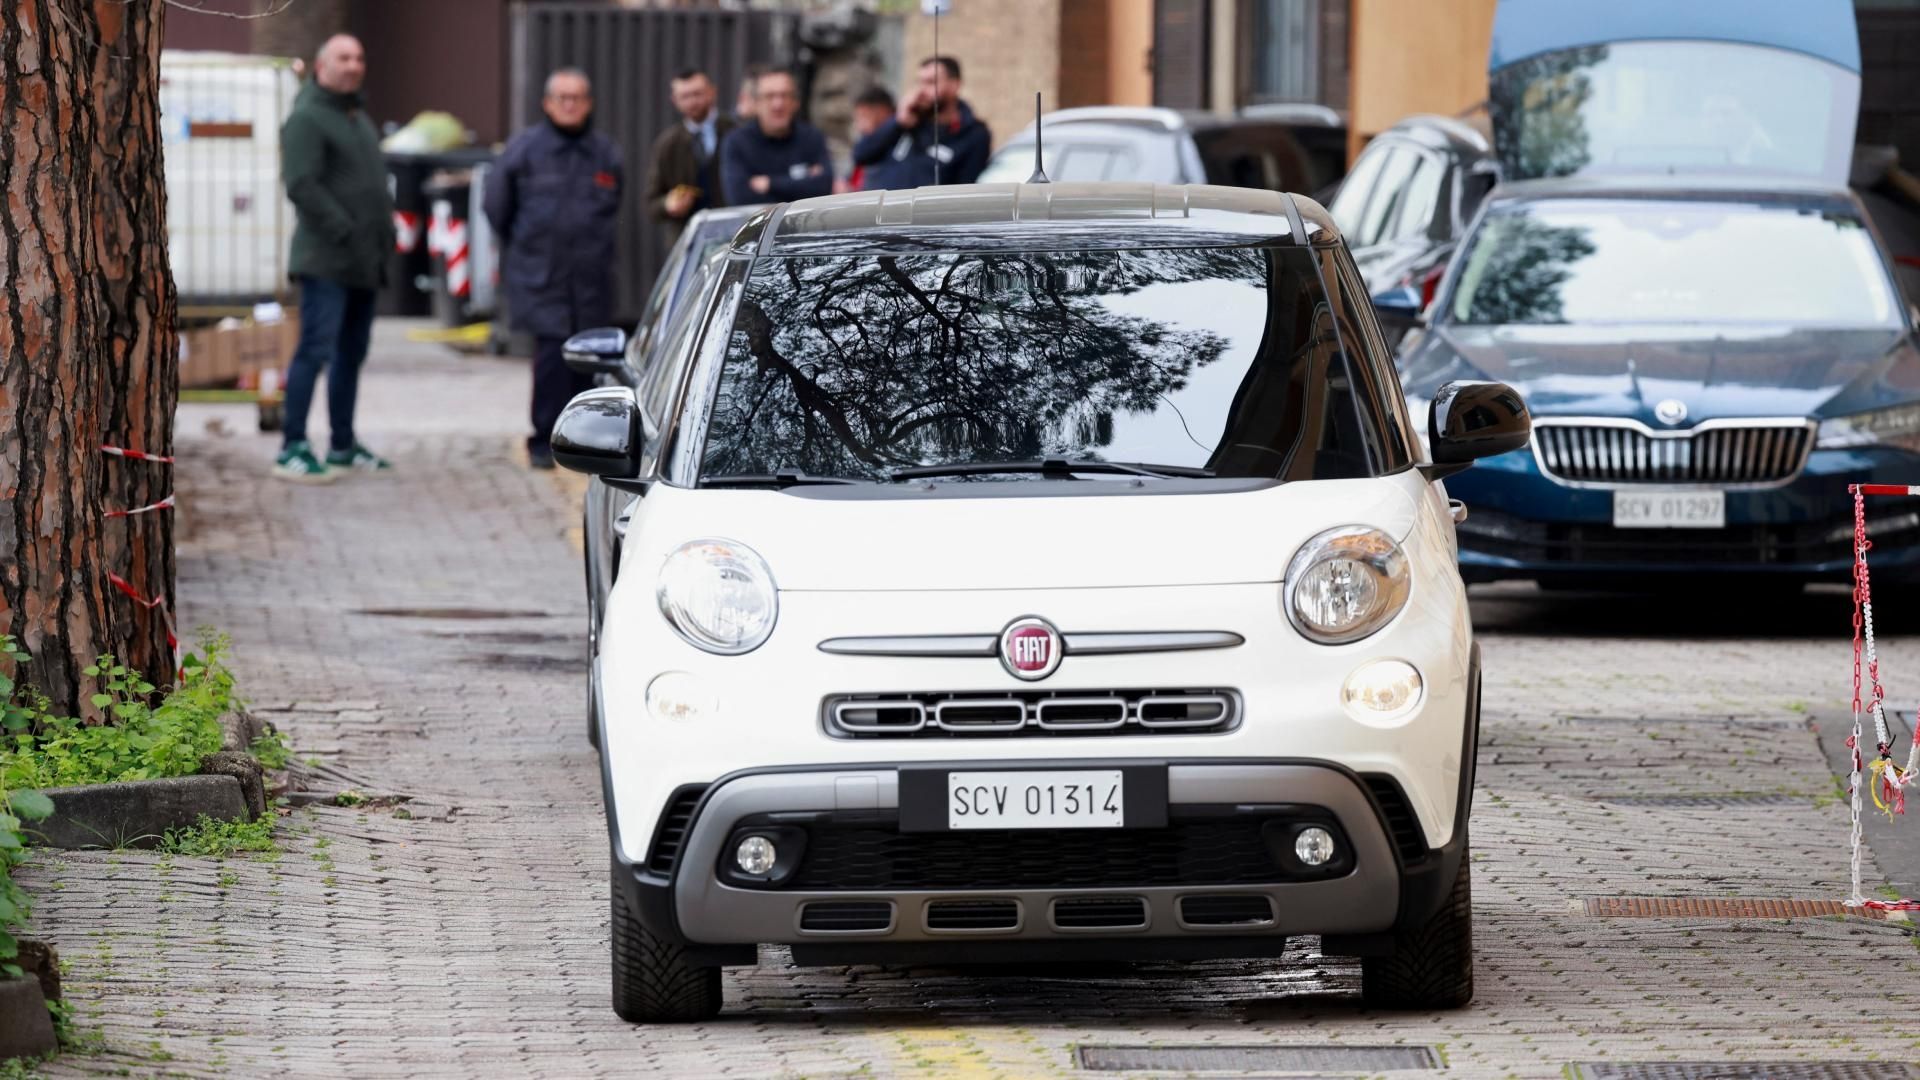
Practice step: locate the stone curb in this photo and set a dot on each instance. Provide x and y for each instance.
(135, 813)
(26, 1028)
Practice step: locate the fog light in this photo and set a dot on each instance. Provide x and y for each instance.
(1381, 690)
(1314, 846)
(756, 855)
(676, 695)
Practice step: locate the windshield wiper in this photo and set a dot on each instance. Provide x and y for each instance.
(1054, 466)
(778, 478)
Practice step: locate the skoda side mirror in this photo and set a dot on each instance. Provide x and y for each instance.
(598, 433)
(1399, 307)
(1472, 420)
(599, 351)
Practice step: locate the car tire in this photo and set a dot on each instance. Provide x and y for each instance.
(1432, 964)
(593, 634)
(652, 981)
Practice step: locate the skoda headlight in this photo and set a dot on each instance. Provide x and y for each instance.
(1345, 584)
(1898, 426)
(719, 595)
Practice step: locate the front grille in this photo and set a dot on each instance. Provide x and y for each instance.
(1033, 712)
(1230, 910)
(1398, 815)
(857, 856)
(672, 831)
(846, 916)
(1757, 453)
(962, 915)
(1100, 913)
(1490, 532)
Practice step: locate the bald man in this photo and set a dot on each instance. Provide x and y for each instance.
(343, 229)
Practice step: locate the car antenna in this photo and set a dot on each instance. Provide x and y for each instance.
(1039, 164)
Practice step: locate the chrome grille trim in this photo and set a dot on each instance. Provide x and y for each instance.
(984, 645)
(938, 714)
(1221, 700)
(1612, 452)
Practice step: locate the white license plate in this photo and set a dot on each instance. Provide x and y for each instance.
(1082, 799)
(1669, 509)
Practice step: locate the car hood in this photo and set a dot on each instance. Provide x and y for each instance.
(1625, 370)
(856, 539)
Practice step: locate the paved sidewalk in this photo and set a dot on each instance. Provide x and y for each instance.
(421, 635)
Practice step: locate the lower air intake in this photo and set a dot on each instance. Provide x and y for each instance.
(846, 916)
(1100, 913)
(1230, 910)
(957, 915)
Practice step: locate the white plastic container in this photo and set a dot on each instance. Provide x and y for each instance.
(229, 224)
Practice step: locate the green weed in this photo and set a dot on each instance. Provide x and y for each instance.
(211, 839)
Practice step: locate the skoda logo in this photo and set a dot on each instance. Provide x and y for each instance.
(1671, 411)
(1030, 648)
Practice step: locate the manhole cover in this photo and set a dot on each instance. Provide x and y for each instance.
(1258, 1058)
(1672, 907)
(453, 613)
(1741, 1070)
(1706, 802)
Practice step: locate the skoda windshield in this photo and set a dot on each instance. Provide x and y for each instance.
(1197, 363)
(1679, 261)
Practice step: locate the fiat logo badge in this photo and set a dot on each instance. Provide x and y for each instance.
(1030, 648)
(1671, 411)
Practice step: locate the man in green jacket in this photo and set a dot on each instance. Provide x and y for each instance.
(330, 161)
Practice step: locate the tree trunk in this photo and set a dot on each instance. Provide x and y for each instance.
(88, 350)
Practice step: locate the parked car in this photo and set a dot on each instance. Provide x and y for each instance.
(1275, 147)
(1014, 584)
(618, 358)
(1710, 362)
(1404, 206)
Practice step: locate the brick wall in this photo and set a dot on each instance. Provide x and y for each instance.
(1007, 48)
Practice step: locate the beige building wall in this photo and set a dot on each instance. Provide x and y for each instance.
(1415, 56)
(1129, 52)
(1007, 50)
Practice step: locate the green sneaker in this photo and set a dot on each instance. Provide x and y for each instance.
(297, 464)
(359, 459)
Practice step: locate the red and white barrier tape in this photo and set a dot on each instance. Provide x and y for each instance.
(121, 451)
(159, 602)
(163, 504)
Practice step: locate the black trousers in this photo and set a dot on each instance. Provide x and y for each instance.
(554, 384)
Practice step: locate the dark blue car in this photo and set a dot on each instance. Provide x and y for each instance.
(1709, 363)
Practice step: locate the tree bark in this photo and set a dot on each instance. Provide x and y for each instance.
(88, 349)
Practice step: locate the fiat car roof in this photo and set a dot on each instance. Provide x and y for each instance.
(1093, 215)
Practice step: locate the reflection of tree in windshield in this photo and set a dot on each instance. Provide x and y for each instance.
(854, 365)
(1538, 103)
(1517, 268)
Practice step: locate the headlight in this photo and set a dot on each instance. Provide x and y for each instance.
(719, 595)
(1898, 426)
(1345, 584)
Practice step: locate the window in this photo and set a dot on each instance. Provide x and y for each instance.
(1224, 359)
(1653, 261)
(1388, 194)
(1284, 64)
(1350, 202)
(1415, 219)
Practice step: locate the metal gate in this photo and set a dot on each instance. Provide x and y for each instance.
(630, 55)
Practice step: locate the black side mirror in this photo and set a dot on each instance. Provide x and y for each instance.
(599, 351)
(598, 433)
(1472, 420)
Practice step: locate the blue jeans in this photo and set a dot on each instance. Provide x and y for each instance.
(335, 325)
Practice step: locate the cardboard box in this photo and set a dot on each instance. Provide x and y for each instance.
(213, 356)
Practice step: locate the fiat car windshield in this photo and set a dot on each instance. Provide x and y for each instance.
(1657, 261)
(1190, 363)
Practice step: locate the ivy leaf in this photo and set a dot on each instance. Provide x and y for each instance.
(32, 805)
(101, 701)
(9, 949)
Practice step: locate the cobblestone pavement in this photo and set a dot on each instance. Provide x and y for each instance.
(421, 635)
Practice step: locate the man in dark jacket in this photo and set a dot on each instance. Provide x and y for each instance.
(776, 157)
(683, 173)
(904, 153)
(554, 199)
(343, 229)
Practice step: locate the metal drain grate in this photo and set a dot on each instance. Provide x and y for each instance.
(1670, 907)
(1740, 1070)
(1367, 1059)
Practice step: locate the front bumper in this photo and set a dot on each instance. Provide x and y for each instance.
(1523, 524)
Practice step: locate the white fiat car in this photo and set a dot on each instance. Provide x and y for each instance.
(1034, 572)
